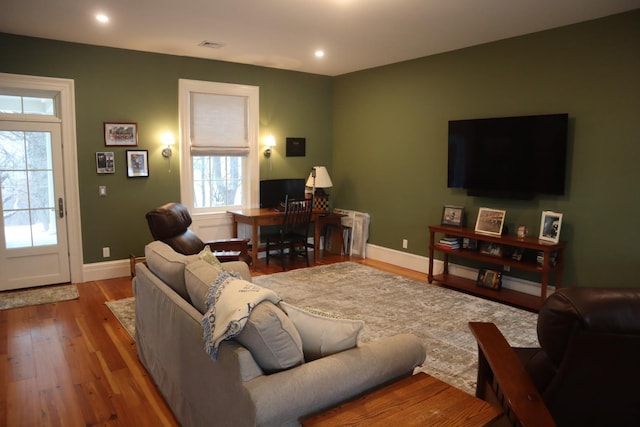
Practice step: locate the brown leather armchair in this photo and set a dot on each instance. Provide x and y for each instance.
(170, 224)
(587, 371)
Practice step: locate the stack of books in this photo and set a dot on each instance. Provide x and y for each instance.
(553, 259)
(450, 243)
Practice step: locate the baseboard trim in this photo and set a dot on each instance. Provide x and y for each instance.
(106, 270)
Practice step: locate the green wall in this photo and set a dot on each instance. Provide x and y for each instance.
(390, 139)
(123, 85)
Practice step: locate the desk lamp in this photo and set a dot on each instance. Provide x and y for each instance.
(319, 180)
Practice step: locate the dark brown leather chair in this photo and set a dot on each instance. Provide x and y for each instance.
(170, 224)
(586, 371)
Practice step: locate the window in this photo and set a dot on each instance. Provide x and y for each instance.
(219, 125)
(17, 104)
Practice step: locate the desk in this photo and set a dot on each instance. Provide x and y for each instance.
(268, 216)
(418, 400)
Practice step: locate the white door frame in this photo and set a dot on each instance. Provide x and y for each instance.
(66, 106)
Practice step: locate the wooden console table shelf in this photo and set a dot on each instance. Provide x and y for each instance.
(508, 296)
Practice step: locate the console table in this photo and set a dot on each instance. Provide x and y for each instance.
(546, 269)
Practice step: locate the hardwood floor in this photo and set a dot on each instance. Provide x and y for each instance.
(72, 364)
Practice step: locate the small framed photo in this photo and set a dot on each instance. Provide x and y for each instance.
(550, 226)
(120, 134)
(517, 254)
(137, 163)
(490, 279)
(490, 221)
(105, 162)
(522, 232)
(490, 248)
(452, 215)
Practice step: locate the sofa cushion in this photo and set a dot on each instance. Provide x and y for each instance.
(198, 277)
(168, 265)
(321, 333)
(272, 339)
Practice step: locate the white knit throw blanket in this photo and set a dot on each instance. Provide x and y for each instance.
(229, 303)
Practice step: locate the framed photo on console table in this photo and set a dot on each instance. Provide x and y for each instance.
(490, 221)
(490, 279)
(550, 226)
(452, 215)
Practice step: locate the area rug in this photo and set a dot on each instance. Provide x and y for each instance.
(390, 304)
(36, 296)
(124, 310)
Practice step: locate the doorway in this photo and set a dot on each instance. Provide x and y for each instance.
(40, 237)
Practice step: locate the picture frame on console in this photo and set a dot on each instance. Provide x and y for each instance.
(490, 221)
(550, 224)
(452, 215)
(490, 279)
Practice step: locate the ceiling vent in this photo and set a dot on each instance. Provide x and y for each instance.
(211, 45)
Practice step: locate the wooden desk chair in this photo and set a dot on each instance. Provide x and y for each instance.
(293, 233)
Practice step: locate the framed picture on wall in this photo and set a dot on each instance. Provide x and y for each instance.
(105, 162)
(550, 226)
(137, 163)
(120, 134)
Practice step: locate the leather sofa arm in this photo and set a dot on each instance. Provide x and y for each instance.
(500, 373)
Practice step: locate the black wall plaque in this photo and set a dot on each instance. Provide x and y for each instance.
(296, 147)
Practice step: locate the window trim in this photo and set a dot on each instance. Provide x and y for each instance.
(185, 88)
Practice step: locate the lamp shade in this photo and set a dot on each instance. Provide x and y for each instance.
(322, 180)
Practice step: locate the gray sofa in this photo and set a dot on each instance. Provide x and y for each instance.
(234, 390)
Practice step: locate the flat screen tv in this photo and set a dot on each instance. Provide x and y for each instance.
(273, 192)
(509, 157)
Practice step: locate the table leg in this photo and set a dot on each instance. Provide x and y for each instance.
(317, 230)
(255, 243)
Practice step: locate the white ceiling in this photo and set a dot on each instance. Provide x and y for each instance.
(355, 34)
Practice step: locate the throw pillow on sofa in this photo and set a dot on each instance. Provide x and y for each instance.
(168, 265)
(323, 335)
(198, 277)
(272, 339)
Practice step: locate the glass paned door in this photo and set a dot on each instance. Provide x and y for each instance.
(26, 185)
(34, 243)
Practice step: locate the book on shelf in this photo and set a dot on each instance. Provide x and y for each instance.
(449, 243)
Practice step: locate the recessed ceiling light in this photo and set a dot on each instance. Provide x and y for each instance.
(319, 53)
(102, 18)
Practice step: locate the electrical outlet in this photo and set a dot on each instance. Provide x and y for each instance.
(106, 252)
(405, 243)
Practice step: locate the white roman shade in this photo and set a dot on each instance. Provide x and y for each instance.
(219, 125)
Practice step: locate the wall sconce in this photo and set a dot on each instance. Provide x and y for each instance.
(168, 140)
(269, 141)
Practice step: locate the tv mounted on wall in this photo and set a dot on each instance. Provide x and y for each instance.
(510, 157)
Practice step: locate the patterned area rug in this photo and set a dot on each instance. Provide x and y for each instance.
(124, 310)
(36, 296)
(390, 304)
